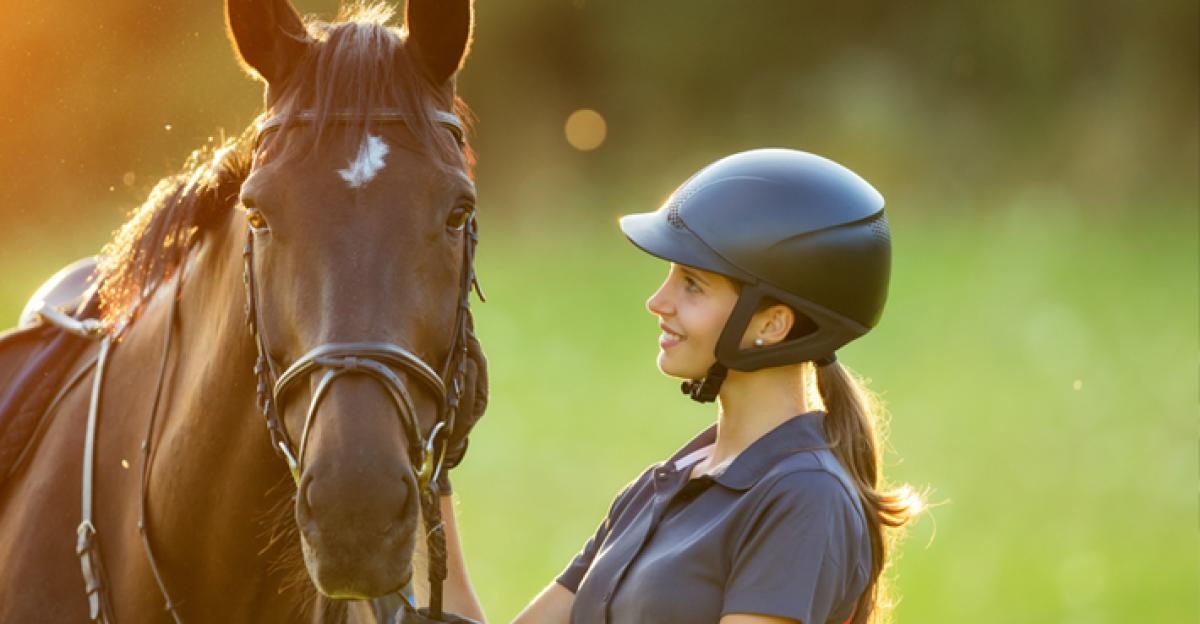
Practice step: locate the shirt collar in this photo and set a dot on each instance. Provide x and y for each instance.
(805, 432)
(702, 439)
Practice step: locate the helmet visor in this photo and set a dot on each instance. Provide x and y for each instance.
(670, 239)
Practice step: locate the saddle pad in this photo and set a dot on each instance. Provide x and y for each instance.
(35, 362)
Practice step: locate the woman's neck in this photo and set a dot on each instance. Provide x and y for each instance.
(752, 404)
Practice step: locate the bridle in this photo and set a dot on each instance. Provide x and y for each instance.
(378, 360)
(374, 359)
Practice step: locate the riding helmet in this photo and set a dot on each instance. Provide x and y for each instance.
(785, 225)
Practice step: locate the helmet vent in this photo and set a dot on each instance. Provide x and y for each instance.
(677, 200)
(673, 217)
(879, 227)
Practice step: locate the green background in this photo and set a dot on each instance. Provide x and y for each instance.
(1038, 355)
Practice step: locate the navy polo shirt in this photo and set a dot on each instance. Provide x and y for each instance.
(779, 532)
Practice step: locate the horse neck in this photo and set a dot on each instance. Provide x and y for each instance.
(219, 500)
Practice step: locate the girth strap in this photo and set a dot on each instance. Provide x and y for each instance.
(87, 539)
(86, 545)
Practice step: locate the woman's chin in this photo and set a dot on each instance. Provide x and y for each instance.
(666, 366)
(670, 367)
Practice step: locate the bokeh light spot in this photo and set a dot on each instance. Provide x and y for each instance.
(586, 129)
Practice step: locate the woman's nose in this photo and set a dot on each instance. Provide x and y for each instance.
(659, 302)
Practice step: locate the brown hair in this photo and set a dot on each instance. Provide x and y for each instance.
(854, 430)
(853, 427)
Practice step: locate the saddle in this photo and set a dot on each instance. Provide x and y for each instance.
(43, 349)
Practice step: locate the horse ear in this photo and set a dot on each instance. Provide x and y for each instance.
(440, 34)
(269, 36)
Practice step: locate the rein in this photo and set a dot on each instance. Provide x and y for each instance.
(374, 359)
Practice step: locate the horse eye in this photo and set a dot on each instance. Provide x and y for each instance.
(459, 216)
(256, 219)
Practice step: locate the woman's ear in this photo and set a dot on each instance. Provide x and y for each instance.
(772, 324)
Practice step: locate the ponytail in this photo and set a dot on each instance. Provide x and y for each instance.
(852, 420)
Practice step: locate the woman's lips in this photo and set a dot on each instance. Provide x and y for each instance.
(668, 338)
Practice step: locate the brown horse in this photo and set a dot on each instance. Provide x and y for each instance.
(349, 211)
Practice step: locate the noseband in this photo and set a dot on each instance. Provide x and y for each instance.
(368, 358)
(378, 360)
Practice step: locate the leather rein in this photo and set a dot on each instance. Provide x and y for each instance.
(378, 360)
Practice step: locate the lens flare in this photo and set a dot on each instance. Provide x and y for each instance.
(586, 130)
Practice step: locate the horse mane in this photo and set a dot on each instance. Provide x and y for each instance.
(148, 249)
(357, 63)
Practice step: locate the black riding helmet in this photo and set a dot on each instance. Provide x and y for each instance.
(786, 225)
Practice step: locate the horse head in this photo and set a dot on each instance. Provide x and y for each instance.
(359, 209)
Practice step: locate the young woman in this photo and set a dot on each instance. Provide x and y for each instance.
(774, 514)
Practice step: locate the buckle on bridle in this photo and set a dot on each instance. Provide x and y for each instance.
(431, 459)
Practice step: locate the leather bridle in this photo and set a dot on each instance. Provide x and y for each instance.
(378, 360)
(375, 360)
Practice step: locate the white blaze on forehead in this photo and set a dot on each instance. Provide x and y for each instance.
(367, 164)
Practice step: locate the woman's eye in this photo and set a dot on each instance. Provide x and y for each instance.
(691, 285)
(459, 216)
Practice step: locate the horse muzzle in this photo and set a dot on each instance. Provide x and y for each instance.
(357, 536)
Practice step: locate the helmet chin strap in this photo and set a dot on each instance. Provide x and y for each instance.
(705, 390)
(730, 354)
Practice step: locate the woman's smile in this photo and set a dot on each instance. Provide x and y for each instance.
(668, 338)
(692, 306)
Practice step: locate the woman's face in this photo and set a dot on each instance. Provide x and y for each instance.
(692, 306)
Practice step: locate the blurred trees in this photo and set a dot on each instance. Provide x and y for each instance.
(945, 105)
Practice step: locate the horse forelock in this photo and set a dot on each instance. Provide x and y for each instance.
(357, 63)
(360, 63)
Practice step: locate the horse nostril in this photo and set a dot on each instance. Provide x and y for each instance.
(303, 505)
(380, 506)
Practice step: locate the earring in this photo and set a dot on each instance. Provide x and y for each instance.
(758, 342)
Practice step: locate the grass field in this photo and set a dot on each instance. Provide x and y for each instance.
(1039, 365)
(1039, 368)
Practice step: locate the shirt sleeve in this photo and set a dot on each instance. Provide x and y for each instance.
(800, 557)
(572, 576)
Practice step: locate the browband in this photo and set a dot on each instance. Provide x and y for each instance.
(450, 121)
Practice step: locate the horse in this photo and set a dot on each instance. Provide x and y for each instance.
(314, 270)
